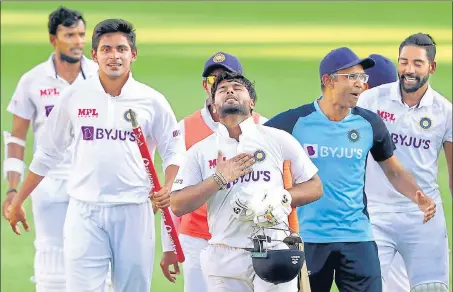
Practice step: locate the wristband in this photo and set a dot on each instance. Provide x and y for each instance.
(219, 181)
(11, 191)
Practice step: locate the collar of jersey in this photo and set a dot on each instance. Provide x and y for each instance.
(427, 99)
(207, 118)
(127, 89)
(322, 114)
(52, 72)
(247, 127)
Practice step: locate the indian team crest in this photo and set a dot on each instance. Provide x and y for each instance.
(127, 115)
(353, 136)
(218, 58)
(425, 123)
(259, 155)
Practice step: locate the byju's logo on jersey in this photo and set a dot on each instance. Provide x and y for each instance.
(387, 117)
(48, 109)
(87, 113)
(316, 151)
(90, 133)
(311, 150)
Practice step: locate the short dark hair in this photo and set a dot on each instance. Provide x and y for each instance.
(111, 26)
(64, 16)
(421, 40)
(233, 76)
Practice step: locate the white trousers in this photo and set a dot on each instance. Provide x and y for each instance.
(423, 247)
(49, 205)
(231, 270)
(96, 235)
(193, 275)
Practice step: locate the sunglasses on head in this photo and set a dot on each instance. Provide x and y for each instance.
(210, 79)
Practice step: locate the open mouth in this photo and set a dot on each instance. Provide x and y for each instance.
(410, 80)
(114, 66)
(355, 94)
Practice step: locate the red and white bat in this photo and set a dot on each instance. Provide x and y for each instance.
(152, 175)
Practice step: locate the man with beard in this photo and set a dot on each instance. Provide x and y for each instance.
(383, 72)
(338, 136)
(420, 122)
(193, 228)
(218, 171)
(35, 96)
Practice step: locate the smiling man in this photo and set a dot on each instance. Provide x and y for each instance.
(420, 121)
(338, 136)
(36, 94)
(109, 217)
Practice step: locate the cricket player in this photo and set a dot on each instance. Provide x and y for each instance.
(37, 92)
(109, 217)
(383, 72)
(338, 137)
(193, 229)
(239, 163)
(420, 122)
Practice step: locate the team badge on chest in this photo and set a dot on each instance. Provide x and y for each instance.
(425, 123)
(353, 136)
(127, 115)
(259, 155)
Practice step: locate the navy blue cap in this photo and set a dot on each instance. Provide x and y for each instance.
(222, 60)
(384, 71)
(340, 59)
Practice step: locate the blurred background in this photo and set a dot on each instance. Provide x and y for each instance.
(279, 44)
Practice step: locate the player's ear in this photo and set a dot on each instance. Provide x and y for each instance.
(252, 104)
(365, 86)
(327, 80)
(94, 56)
(53, 40)
(204, 83)
(134, 54)
(432, 67)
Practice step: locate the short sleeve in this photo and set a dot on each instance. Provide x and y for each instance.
(383, 145)
(21, 104)
(189, 173)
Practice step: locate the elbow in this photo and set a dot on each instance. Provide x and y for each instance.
(176, 207)
(319, 191)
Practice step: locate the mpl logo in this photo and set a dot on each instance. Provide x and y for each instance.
(388, 117)
(213, 162)
(90, 133)
(87, 113)
(48, 92)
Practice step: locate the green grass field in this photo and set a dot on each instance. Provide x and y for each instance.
(279, 44)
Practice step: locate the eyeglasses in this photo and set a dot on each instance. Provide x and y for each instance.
(354, 76)
(210, 79)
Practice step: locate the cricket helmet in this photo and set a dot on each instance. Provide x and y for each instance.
(277, 266)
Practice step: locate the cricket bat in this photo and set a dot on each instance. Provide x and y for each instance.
(304, 281)
(154, 180)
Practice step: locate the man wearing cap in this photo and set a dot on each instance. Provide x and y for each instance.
(384, 72)
(338, 137)
(420, 122)
(193, 227)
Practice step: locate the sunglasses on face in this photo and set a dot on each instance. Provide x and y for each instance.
(210, 79)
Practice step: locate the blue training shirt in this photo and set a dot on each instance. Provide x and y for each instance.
(339, 150)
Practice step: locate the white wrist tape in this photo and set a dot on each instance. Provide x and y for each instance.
(12, 164)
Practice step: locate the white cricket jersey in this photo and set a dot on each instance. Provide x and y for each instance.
(270, 147)
(213, 125)
(37, 93)
(418, 133)
(107, 166)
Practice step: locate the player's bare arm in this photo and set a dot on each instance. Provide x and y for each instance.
(191, 198)
(306, 192)
(405, 183)
(16, 156)
(448, 149)
(161, 199)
